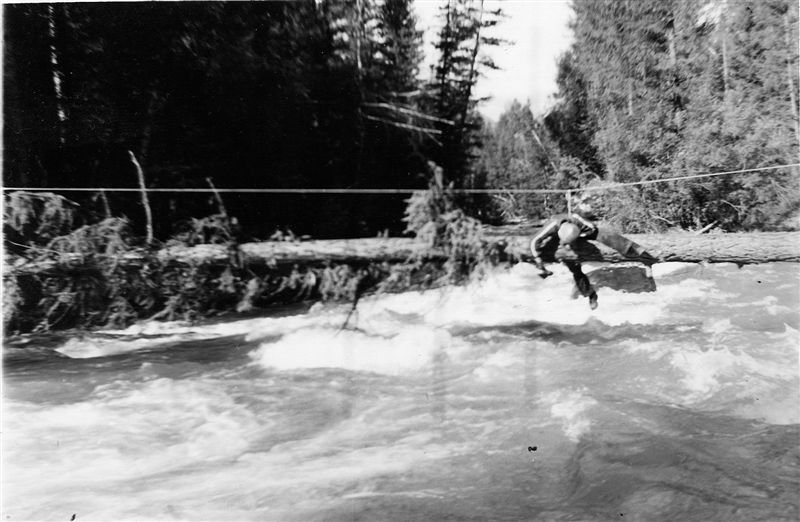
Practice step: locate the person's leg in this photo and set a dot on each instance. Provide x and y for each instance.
(547, 255)
(582, 282)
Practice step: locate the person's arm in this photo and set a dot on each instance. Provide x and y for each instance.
(549, 229)
(537, 243)
(588, 229)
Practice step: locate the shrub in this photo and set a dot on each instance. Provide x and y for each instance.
(433, 217)
(34, 219)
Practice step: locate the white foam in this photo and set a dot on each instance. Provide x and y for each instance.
(270, 326)
(153, 334)
(505, 296)
(354, 350)
(702, 370)
(691, 288)
(126, 431)
(675, 268)
(789, 334)
(513, 296)
(498, 365)
(155, 328)
(707, 372)
(90, 347)
(217, 448)
(654, 349)
(571, 408)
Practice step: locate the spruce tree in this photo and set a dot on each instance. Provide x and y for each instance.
(451, 92)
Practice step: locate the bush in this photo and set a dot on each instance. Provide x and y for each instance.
(33, 219)
(755, 201)
(433, 217)
(96, 274)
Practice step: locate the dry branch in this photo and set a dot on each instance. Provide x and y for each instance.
(145, 202)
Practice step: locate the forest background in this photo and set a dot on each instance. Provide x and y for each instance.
(329, 94)
(325, 94)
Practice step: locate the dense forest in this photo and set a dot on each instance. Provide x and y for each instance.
(655, 89)
(329, 94)
(305, 94)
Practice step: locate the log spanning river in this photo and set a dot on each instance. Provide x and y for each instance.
(500, 400)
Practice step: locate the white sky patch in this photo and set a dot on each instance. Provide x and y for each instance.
(539, 35)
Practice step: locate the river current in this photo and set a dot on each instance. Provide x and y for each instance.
(501, 400)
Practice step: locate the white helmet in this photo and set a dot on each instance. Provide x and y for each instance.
(568, 232)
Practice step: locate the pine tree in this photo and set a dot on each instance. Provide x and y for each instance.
(461, 44)
(742, 111)
(679, 86)
(569, 121)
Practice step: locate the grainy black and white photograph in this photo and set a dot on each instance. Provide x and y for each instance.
(401, 260)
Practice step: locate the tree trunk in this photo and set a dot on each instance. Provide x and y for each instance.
(742, 249)
(673, 54)
(745, 248)
(358, 30)
(154, 104)
(218, 198)
(630, 97)
(547, 155)
(724, 37)
(57, 76)
(472, 63)
(106, 206)
(790, 73)
(145, 202)
(359, 79)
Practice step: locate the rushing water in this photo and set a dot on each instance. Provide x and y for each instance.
(501, 400)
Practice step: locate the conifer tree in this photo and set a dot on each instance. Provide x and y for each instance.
(675, 87)
(461, 45)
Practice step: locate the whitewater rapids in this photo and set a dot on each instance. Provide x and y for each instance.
(501, 400)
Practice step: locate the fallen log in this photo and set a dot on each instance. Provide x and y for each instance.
(305, 252)
(739, 248)
(112, 287)
(744, 248)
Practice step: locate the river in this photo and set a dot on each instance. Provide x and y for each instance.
(500, 400)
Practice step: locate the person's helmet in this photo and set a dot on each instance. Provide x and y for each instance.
(568, 232)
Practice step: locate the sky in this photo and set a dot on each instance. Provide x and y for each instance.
(539, 32)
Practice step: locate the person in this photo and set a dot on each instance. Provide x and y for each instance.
(564, 230)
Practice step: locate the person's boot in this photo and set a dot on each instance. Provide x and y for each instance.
(593, 300)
